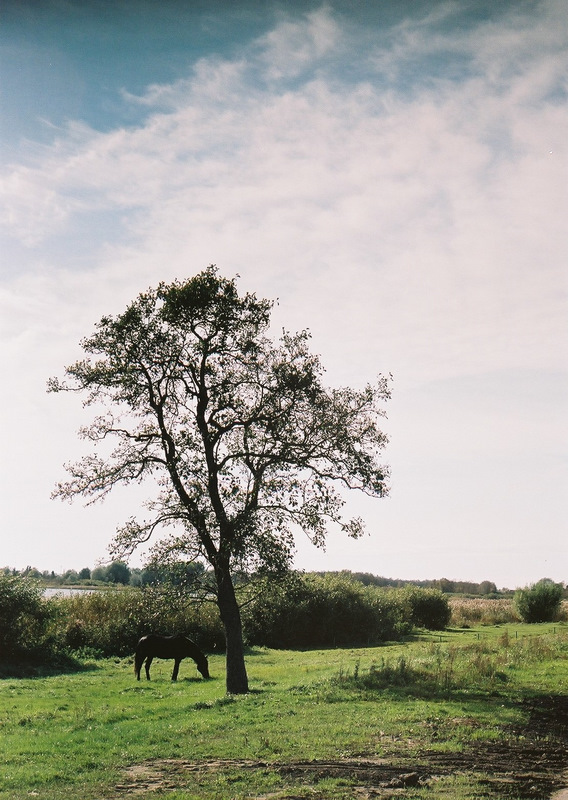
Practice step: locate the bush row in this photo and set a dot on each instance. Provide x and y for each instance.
(332, 610)
(304, 611)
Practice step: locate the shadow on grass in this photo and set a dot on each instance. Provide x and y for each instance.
(400, 681)
(253, 652)
(35, 667)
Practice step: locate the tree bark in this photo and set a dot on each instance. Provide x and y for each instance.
(237, 680)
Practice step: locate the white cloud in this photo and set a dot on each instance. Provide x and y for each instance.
(294, 45)
(213, 78)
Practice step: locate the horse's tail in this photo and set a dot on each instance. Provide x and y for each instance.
(139, 657)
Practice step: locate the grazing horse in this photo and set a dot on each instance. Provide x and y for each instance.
(178, 647)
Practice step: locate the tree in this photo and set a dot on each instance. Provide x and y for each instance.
(240, 434)
(118, 572)
(100, 573)
(70, 576)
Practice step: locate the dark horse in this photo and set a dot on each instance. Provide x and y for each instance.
(178, 647)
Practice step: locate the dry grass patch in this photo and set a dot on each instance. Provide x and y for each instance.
(469, 612)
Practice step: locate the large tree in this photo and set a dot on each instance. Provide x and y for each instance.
(242, 438)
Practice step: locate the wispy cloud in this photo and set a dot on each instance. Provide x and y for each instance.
(295, 45)
(441, 184)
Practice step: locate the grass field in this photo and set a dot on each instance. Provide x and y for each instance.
(481, 713)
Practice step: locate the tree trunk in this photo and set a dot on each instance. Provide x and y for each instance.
(237, 680)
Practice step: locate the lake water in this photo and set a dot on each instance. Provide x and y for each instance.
(66, 591)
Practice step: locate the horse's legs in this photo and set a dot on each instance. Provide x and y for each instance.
(137, 666)
(176, 669)
(148, 662)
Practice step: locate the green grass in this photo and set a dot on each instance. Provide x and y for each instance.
(437, 697)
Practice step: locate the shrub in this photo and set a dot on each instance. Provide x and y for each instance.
(427, 608)
(322, 611)
(24, 621)
(539, 602)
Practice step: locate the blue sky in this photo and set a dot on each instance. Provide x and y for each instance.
(394, 173)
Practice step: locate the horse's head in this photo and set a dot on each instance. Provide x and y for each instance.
(203, 667)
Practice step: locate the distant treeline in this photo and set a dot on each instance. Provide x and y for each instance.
(443, 584)
(187, 574)
(117, 572)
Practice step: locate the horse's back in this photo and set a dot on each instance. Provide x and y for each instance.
(144, 643)
(165, 646)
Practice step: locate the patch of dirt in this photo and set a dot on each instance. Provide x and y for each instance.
(171, 773)
(532, 765)
(373, 774)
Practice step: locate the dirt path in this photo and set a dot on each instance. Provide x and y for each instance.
(532, 764)
(520, 774)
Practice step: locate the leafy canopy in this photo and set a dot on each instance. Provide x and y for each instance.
(238, 431)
